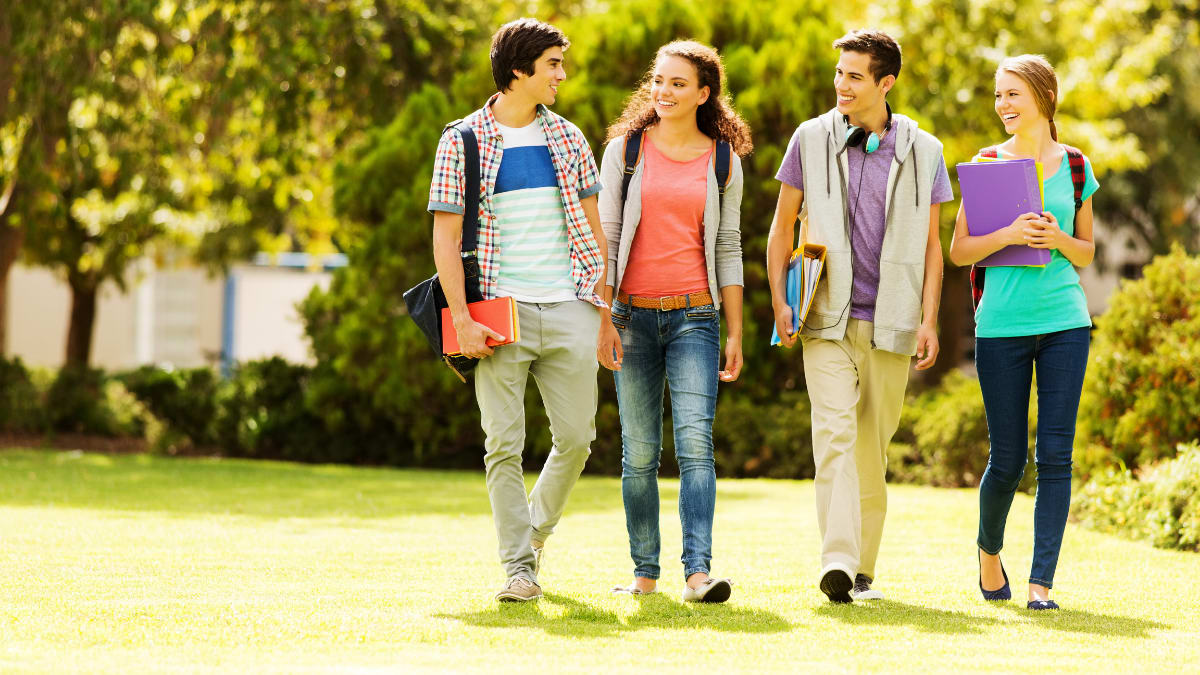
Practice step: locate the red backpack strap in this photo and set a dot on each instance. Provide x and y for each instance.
(990, 152)
(1078, 175)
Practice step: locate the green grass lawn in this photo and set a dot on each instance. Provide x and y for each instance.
(139, 563)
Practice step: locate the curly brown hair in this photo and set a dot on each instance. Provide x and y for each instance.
(715, 117)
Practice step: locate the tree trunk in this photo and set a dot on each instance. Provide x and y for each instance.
(83, 319)
(11, 239)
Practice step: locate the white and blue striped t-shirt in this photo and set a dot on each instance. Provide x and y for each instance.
(535, 258)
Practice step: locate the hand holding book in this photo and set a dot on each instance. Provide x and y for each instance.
(1044, 232)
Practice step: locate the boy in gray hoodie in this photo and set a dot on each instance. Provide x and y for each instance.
(872, 184)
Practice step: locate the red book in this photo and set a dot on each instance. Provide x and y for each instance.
(499, 314)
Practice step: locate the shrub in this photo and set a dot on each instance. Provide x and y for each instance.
(943, 436)
(185, 401)
(86, 401)
(20, 400)
(1162, 505)
(263, 413)
(772, 440)
(1141, 395)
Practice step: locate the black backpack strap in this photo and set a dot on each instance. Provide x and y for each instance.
(633, 153)
(1078, 174)
(470, 229)
(721, 166)
(470, 223)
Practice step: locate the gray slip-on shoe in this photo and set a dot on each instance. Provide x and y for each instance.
(713, 590)
(631, 590)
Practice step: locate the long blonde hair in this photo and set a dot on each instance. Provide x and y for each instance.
(1036, 72)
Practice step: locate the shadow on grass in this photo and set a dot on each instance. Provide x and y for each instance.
(892, 613)
(1080, 621)
(654, 611)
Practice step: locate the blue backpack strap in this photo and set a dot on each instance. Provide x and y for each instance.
(721, 166)
(633, 152)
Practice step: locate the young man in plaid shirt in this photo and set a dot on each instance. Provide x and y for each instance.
(540, 242)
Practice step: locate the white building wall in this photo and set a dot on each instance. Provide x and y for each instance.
(266, 320)
(165, 316)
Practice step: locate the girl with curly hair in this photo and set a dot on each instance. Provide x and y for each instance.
(675, 259)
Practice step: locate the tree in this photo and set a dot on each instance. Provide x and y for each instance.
(212, 125)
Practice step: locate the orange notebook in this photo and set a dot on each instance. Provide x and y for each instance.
(499, 314)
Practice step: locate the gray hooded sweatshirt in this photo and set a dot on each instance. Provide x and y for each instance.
(902, 261)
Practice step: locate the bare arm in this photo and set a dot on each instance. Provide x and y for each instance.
(608, 342)
(780, 243)
(968, 250)
(731, 305)
(1079, 249)
(931, 293)
(447, 240)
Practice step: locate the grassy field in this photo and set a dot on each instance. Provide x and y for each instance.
(138, 563)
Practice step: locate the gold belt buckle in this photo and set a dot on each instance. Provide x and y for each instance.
(661, 307)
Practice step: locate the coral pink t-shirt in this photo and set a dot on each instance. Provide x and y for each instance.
(667, 256)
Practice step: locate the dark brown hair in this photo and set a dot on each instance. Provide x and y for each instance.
(518, 44)
(883, 50)
(1036, 71)
(715, 117)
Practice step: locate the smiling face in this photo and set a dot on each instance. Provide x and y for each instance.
(548, 73)
(857, 90)
(1015, 104)
(675, 88)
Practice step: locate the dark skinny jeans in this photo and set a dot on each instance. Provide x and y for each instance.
(1006, 367)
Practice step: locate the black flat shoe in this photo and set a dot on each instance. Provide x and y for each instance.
(1042, 604)
(1002, 593)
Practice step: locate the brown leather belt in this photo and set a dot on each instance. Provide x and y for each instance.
(668, 303)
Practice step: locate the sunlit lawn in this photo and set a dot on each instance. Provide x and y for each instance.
(139, 563)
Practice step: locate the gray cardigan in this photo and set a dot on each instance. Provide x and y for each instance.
(722, 244)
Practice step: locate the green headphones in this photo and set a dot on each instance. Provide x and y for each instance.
(855, 135)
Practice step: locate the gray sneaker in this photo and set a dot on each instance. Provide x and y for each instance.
(519, 589)
(862, 589)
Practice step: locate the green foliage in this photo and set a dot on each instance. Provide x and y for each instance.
(185, 400)
(264, 413)
(770, 440)
(370, 353)
(1161, 504)
(20, 409)
(1140, 397)
(86, 401)
(943, 436)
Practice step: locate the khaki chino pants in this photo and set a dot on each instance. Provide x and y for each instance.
(856, 393)
(557, 347)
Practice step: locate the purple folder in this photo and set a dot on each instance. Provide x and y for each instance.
(993, 195)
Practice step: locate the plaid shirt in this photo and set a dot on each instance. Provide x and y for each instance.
(578, 178)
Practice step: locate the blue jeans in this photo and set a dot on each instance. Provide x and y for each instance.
(1005, 368)
(679, 348)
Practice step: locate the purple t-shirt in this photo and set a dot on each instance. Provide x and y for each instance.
(866, 194)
